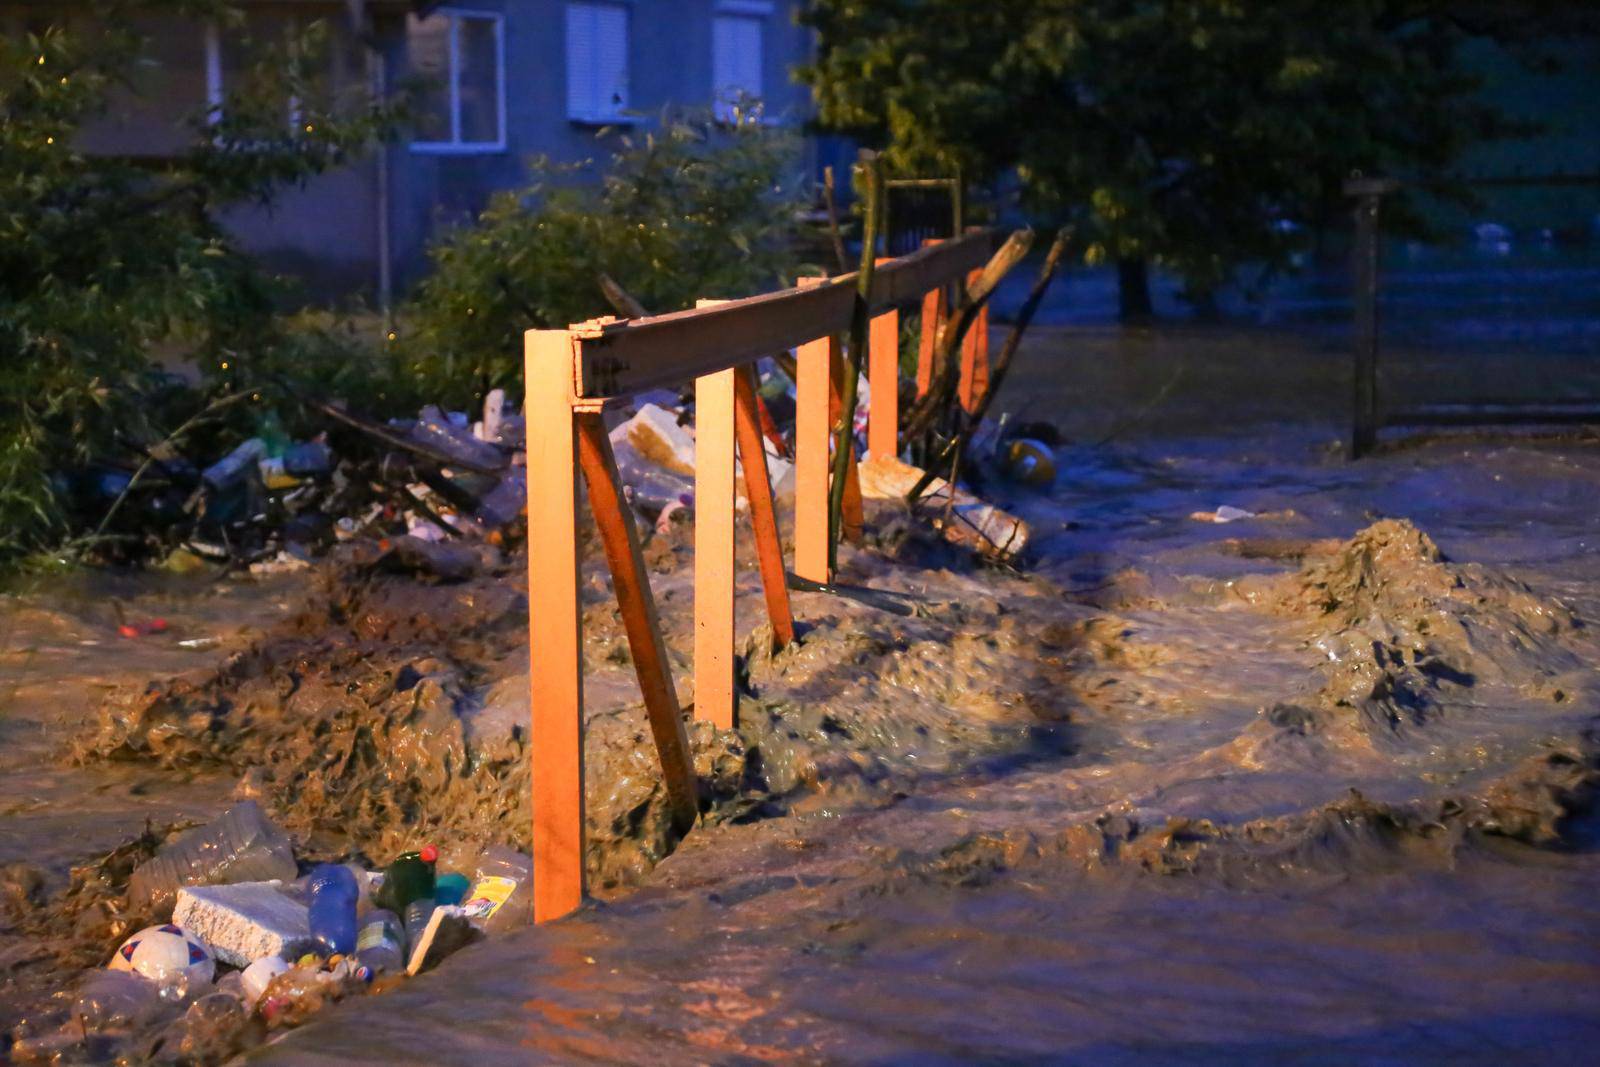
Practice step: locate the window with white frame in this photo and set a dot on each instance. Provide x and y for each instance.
(736, 42)
(460, 55)
(597, 60)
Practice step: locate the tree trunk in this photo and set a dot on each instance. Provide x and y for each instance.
(1133, 291)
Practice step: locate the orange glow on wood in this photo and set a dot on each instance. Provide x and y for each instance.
(713, 548)
(614, 518)
(975, 358)
(763, 515)
(554, 647)
(883, 374)
(811, 425)
(934, 309)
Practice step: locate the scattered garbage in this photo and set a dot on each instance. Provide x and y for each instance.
(1228, 513)
(410, 877)
(332, 914)
(257, 976)
(167, 955)
(962, 519)
(382, 942)
(499, 899)
(241, 845)
(1030, 463)
(244, 922)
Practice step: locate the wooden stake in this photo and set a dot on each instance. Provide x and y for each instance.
(811, 422)
(763, 515)
(974, 380)
(883, 372)
(934, 310)
(637, 606)
(555, 651)
(713, 548)
(853, 519)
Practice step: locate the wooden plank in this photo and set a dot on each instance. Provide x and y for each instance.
(713, 548)
(935, 306)
(811, 425)
(763, 514)
(883, 373)
(636, 605)
(974, 381)
(618, 358)
(554, 645)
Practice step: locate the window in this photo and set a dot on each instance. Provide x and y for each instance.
(736, 40)
(597, 61)
(461, 57)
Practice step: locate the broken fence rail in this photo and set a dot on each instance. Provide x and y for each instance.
(572, 375)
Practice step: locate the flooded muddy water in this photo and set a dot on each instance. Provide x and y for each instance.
(1312, 786)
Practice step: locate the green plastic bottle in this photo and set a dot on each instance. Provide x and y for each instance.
(408, 878)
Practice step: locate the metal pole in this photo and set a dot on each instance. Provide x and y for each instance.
(1368, 193)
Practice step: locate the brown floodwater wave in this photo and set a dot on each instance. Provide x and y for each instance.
(1310, 786)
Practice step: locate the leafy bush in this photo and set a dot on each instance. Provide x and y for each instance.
(103, 258)
(694, 209)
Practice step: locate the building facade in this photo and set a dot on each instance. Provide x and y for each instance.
(501, 81)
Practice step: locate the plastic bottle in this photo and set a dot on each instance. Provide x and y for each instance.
(240, 846)
(381, 944)
(499, 898)
(451, 888)
(333, 907)
(417, 913)
(409, 877)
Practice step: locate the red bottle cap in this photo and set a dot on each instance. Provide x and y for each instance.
(429, 854)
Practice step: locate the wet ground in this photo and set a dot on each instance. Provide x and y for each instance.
(1313, 786)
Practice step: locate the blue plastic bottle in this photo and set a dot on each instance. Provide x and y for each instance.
(333, 908)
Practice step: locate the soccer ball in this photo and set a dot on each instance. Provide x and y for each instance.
(165, 954)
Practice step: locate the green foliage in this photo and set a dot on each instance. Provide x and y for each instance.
(694, 209)
(103, 258)
(1201, 134)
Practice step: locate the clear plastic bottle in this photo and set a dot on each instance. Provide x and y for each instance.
(417, 913)
(333, 908)
(241, 845)
(499, 899)
(381, 944)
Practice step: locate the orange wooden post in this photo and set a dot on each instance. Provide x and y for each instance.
(763, 515)
(935, 307)
(614, 518)
(883, 374)
(975, 358)
(555, 651)
(811, 425)
(713, 548)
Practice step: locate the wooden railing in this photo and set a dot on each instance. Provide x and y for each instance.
(572, 375)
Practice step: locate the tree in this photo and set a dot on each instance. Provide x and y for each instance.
(693, 208)
(103, 257)
(1197, 134)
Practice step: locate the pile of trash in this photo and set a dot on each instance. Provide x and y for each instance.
(274, 503)
(241, 942)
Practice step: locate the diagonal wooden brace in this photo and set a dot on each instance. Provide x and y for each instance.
(614, 517)
(763, 514)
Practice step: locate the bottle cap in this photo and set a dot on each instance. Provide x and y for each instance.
(429, 854)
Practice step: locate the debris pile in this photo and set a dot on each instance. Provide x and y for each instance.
(228, 956)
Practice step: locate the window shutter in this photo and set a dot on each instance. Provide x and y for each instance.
(597, 60)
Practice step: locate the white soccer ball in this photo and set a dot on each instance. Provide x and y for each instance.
(165, 954)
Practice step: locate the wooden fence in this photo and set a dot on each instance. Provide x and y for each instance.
(572, 375)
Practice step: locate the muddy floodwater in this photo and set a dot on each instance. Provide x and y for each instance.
(1311, 786)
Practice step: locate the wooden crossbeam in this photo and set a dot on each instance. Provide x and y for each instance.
(616, 358)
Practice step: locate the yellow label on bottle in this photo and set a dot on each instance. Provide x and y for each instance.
(371, 936)
(487, 896)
